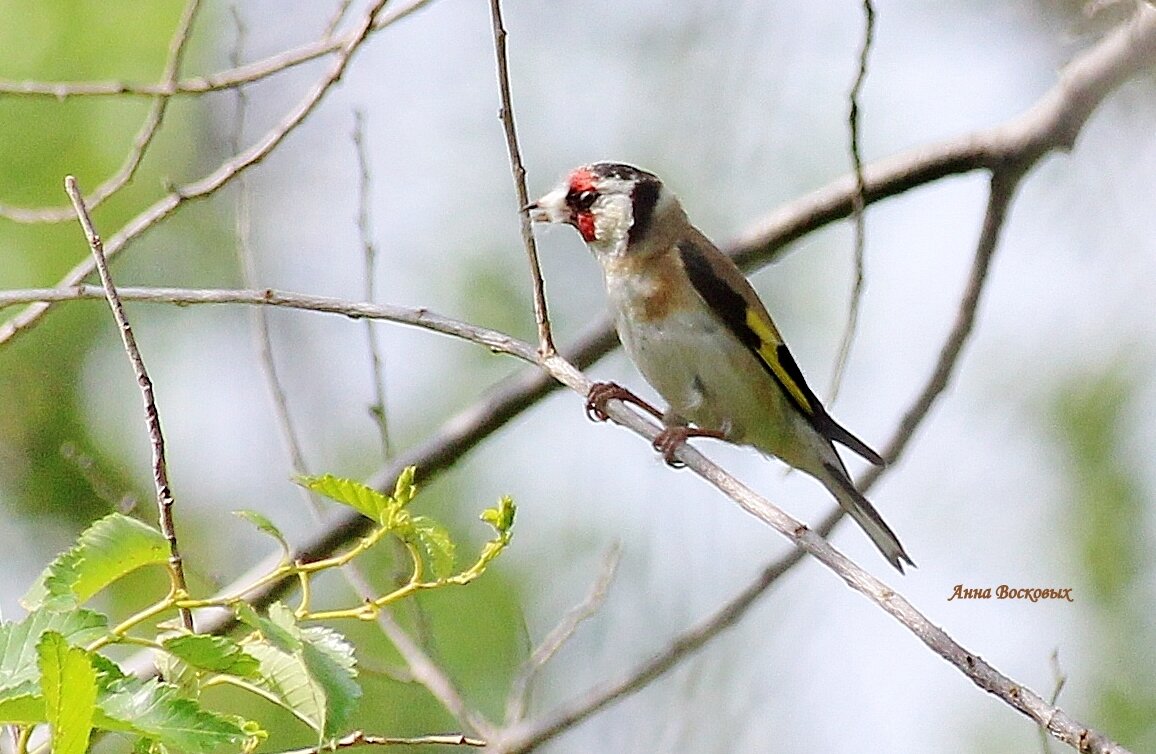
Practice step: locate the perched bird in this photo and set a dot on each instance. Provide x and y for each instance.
(701, 337)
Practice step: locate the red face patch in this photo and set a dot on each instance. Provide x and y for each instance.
(584, 222)
(581, 182)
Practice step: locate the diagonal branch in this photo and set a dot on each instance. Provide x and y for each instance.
(506, 114)
(858, 206)
(212, 182)
(144, 138)
(518, 696)
(240, 75)
(152, 417)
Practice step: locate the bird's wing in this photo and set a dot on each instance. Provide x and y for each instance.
(726, 291)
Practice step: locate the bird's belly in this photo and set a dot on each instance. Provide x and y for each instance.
(708, 377)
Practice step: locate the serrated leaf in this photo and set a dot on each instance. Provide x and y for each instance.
(106, 551)
(266, 526)
(281, 627)
(18, 656)
(435, 541)
(316, 682)
(68, 681)
(341, 692)
(217, 654)
(155, 710)
(286, 680)
(501, 517)
(365, 500)
(25, 707)
(278, 629)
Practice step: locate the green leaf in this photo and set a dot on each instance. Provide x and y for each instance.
(217, 654)
(501, 517)
(436, 542)
(24, 707)
(314, 680)
(266, 526)
(155, 710)
(106, 551)
(286, 682)
(331, 664)
(365, 500)
(279, 629)
(69, 683)
(18, 641)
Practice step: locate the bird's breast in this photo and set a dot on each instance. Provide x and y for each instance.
(648, 290)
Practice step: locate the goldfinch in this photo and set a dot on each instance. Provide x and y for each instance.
(701, 337)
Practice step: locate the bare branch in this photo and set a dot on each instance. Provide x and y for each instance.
(418, 317)
(858, 206)
(561, 633)
(358, 738)
(144, 138)
(541, 315)
(1051, 124)
(238, 76)
(210, 183)
(369, 256)
(152, 418)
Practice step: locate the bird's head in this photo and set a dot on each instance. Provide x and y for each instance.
(619, 209)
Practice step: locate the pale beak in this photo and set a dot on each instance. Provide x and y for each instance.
(551, 208)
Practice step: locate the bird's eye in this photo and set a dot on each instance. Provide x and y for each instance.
(582, 200)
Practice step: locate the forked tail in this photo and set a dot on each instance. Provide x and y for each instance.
(860, 509)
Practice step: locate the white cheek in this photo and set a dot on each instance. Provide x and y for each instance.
(612, 222)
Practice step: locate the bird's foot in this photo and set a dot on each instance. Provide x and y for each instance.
(671, 439)
(603, 392)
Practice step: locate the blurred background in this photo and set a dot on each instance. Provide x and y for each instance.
(1033, 470)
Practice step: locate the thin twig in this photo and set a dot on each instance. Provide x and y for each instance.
(858, 206)
(1060, 678)
(358, 738)
(369, 255)
(519, 693)
(152, 418)
(336, 19)
(141, 143)
(246, 259)
(405, 315)
(238, 76)
(213, 182)
(506, 114)
(983, 675)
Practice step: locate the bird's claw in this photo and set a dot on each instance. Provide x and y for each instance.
(600, 393)
(603, 392)
(668, 442)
